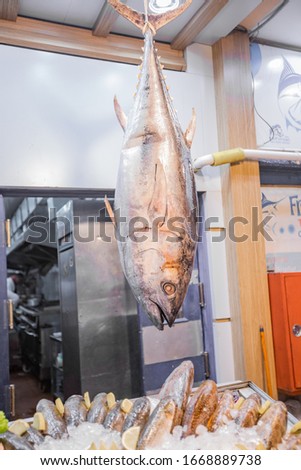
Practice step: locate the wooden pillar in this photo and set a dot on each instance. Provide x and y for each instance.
(249, 299)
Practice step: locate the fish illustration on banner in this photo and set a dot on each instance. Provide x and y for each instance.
(277, 95)
(268, 206)
(155, 204)
(289, 95)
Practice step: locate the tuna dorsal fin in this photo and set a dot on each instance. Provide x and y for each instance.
(110, 211)
(140, 19)
(189, 134)
(158, 204)
(121, 116)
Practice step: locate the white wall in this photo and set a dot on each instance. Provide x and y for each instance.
(58, 128)
(57, 121)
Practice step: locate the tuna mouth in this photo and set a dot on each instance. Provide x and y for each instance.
(163, 317)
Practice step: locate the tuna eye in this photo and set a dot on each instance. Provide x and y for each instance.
(169, 288)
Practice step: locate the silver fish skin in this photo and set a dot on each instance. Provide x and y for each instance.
(139, 414)
(115, 418)
(290, 442)
(75, 410)
(271, 427)
(155, 197)
(200, 407)
(11, 441)
(248, 414)
(33, 436)
(223, 412)
(178, 386)
(160, 423)
(98, 409)
(56, 426)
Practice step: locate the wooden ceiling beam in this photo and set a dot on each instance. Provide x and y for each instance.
(9, 9)
(259, 13)
(197, 23)
(105, 20)
(41, 35)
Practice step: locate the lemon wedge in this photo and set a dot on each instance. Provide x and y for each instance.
(240, 446)
(239, 403)
(59, 406)
(19, 427)
(126, 405)
(264, 407)
(130, 438)
(39, 422)
(102, 446)
(113, 446)
(111, 400)
(87, 400)
(260, 446)
(92, 446)
(296, 428)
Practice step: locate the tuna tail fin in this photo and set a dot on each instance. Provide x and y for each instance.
(157, 21)
(138, 19)
(141, 20)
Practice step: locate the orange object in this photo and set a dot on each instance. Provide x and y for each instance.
(266, 362)
(285, 300)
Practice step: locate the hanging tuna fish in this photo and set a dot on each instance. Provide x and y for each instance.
(155, 198)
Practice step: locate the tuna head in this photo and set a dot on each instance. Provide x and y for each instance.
(159, 273)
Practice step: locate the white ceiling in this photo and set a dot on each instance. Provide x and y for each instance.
(71, 12)
(226, 20)
(283, 28)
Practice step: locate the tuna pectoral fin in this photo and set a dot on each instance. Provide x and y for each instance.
(110, 211)
(120, 114)
(189, 134)
(155, 21)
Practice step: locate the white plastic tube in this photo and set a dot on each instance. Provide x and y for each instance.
(237, 155)
(272, 155)
(205, 160)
